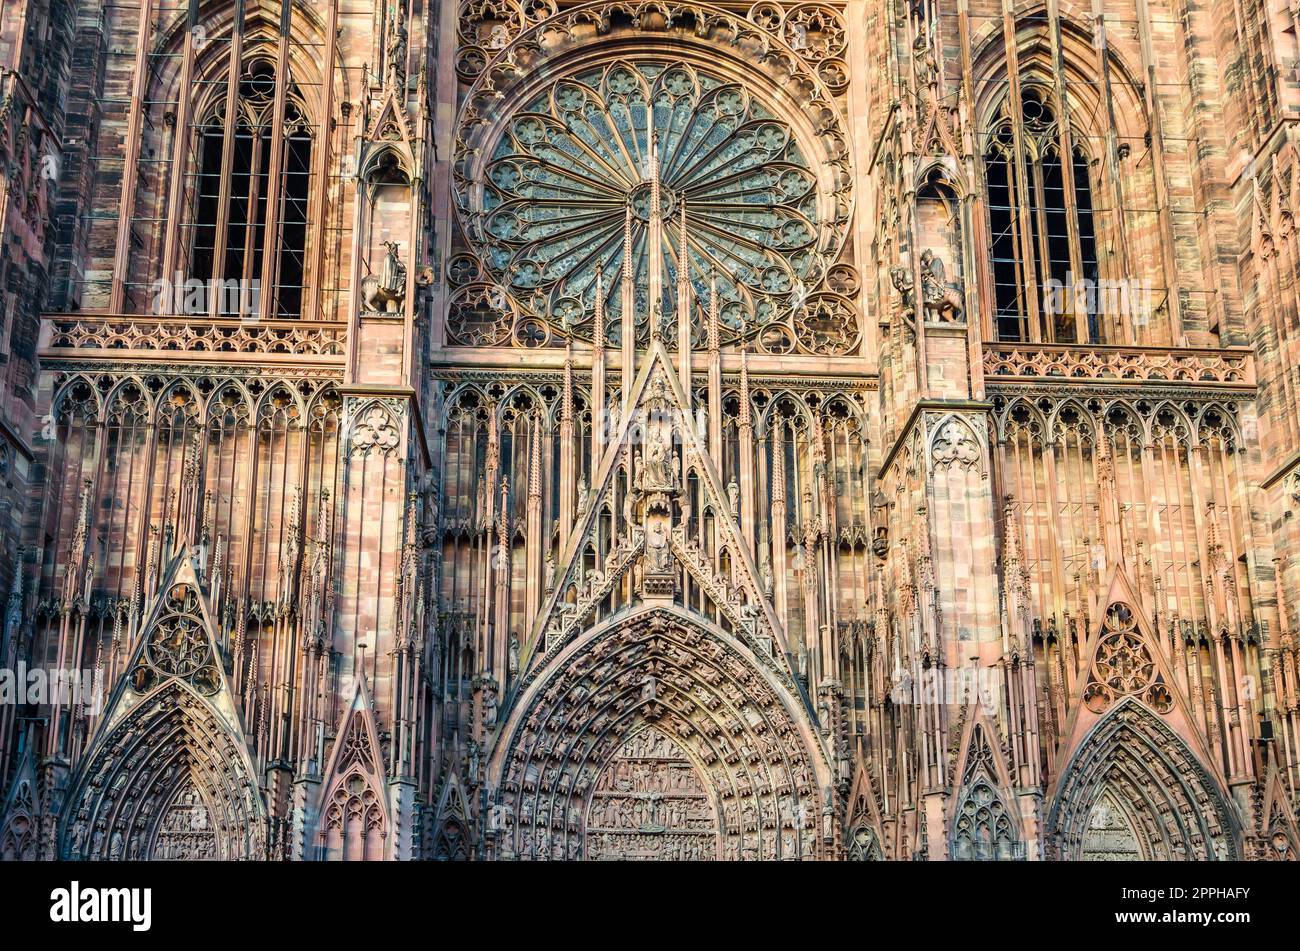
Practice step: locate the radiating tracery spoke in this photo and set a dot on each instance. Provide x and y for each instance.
(572, 163)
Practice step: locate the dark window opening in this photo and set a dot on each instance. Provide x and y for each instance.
(228, 244)
(1046, 270)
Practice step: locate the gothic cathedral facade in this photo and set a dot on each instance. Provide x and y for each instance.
(649, 429)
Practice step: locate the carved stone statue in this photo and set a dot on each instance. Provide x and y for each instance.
(513, 657)
(397, 48)
(941, 299)
(658, 458)
(385, 290)
(657, 547)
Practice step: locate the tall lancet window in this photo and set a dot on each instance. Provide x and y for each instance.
(250, 226)
(1042, 236)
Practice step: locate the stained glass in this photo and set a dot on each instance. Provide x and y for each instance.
(575, 159)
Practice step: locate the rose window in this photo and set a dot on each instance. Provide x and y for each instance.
(563, 207)
(178, 646)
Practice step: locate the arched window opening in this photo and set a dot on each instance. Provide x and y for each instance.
(249, 233)
(1042, 237)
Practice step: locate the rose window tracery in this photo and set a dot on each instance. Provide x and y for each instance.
(178, 646)
(1123, 666)
(561, 211)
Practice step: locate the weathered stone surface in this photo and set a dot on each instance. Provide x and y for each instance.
(812, 465)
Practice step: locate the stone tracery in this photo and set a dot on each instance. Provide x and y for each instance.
(554, 200)
(170, 775)
(838, 514)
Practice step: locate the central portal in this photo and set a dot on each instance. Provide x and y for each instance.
(651, 804)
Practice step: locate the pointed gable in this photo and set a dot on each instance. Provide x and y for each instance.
(864, 827)
(984, 822)
(1279, 838)
(354, 820)
(174, 709)
(177, 644)
(1125, 661)
(656, 446)
(356, 748)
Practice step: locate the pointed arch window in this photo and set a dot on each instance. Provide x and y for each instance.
(252, 187)
(982, 829)
(1042, 236)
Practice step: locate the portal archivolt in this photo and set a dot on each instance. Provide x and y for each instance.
(168, 775)
(1135, 791)
(657, 737)
(167, 782)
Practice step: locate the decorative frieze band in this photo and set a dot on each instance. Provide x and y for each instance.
(193, 336)
(1113, 364)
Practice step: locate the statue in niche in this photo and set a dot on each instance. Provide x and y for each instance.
(657, 546)
(941, 298)
(733, 496)
(658, 457)
(584, 497)
(385, 291)
(512, 664)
